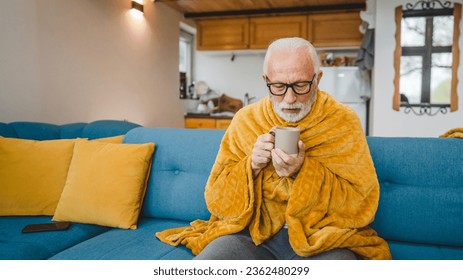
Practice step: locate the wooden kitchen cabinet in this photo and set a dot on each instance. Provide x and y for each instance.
(266, 29)
(222, 34)
(324, 30)
(206, 122)
(335, 29)
(222, 123)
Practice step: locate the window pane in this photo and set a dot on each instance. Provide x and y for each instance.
(186, 41)
(443, 31)
(413, 31)
(410, 77)
(183, 56)
(441, 75)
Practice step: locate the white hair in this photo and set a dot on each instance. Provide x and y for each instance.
(292, 44)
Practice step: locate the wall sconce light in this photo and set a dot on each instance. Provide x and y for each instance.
(137, 6)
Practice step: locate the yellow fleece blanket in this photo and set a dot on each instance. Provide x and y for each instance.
(453, 133)
(329, 205)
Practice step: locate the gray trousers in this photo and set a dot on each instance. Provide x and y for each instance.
(239, 246)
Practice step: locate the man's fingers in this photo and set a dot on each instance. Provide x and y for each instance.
(301, 147)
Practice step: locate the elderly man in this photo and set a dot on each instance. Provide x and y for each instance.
(266, 204)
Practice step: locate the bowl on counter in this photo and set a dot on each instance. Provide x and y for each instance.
(191, 105)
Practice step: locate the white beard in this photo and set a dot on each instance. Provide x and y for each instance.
(293, 117)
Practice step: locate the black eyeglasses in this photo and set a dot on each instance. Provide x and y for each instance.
(299, 88)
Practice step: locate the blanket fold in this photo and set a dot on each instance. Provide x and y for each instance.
(453, 133)
(329, 205)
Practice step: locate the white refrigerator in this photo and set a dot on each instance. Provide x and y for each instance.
(350, 86)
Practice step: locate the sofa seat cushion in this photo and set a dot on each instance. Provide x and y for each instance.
(415, 251)
(140, 244)
(15, 245)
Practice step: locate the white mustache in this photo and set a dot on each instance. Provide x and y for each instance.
(283, 105)
(295, 116)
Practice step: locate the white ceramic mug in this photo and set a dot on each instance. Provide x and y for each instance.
(286, 139)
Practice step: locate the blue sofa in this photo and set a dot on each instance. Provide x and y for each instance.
(420, 209)
(47, 131)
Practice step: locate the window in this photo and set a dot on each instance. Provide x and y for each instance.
(427, 57)
(186, 42)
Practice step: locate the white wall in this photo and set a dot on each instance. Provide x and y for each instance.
(233, 78)
(385, 121)
(84, 60)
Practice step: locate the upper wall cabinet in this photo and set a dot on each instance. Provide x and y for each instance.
(266, 29)
(222, 34)
(335, 29)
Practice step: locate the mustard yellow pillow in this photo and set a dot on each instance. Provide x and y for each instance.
(32, 175)
(106, 184)
(113, 139)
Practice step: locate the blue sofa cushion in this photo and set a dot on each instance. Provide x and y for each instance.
(421, 199)
(106, 128)
(40, 245)
(120, 244)
(36, 130)
(72, 130)
(182, 162)
(46, 131)
(7, 131)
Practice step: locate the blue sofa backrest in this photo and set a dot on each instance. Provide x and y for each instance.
(31, 130)
(182, 162)
(46, 131)
(421, 199)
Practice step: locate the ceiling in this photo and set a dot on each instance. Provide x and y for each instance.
(208, 8)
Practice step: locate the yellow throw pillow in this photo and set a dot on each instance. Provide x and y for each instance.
(32, 175)
(113, 139)
(106, 184)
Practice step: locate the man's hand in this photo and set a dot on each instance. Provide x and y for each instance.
(288, 165)
(262, 152)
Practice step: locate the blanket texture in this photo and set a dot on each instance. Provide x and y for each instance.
(329, 205)
(453, 133)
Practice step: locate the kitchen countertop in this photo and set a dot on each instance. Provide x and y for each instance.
(205, 115)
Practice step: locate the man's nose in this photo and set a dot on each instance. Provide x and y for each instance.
(290, 96)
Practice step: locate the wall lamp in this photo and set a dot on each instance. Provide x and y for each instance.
(137, 6)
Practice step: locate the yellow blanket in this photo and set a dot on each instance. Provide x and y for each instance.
(329, 205)
(453, 133)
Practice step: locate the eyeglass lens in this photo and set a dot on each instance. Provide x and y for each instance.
(299, 88)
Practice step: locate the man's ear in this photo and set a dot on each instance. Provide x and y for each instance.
(264, 78)
(319, 76)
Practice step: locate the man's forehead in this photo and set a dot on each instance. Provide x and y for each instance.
(291, 62)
